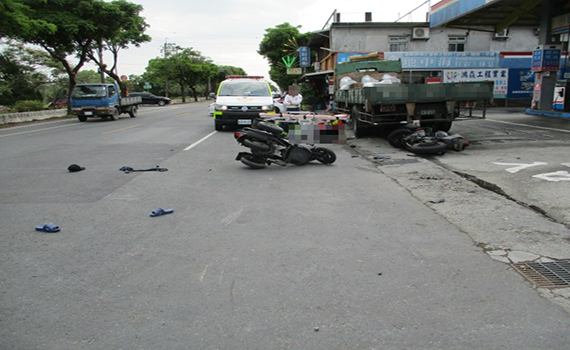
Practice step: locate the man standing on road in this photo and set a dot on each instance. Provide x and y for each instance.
(293, 100)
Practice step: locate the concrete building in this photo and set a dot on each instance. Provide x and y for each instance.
(463, 39)
(441, 54)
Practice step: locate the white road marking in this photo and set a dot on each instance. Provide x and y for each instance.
(34, 124)
(555, 176)
(38, 130)
(519, 166)
(232, 217)
(529, 126)
(199, 141)
(203, 274)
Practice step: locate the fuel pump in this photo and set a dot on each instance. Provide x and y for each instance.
(561, 99)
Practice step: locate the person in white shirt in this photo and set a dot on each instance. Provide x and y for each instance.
(293, 99)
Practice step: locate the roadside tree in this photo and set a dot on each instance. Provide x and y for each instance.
(187, 68)
(70, 30)
(274, 48)
(120, 25)
(22, 73)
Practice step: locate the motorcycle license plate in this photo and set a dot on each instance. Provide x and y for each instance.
(244, 121)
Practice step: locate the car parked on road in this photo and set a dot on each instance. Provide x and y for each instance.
(278, 105)
(150, 99)
(59, 103)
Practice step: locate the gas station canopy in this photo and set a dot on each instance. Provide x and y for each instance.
(499, 14)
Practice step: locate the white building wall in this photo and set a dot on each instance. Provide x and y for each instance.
(366, 38)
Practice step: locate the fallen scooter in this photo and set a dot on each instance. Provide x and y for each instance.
(425, 141)
(269, 144)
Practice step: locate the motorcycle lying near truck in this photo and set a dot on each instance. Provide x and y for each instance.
(268, 143)
(426, 141)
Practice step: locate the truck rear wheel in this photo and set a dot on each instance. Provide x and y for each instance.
(82, 118)
(115, 114)
(133, 111)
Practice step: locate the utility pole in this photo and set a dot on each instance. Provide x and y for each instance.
(167, 50)
(165, 55)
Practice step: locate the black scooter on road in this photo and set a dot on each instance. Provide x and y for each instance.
(269, 144)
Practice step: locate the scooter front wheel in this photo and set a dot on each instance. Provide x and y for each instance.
(324, 155)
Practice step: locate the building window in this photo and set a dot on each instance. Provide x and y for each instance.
(398, 43)
(456, 43)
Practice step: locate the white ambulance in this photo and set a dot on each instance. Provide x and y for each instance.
(240, 99)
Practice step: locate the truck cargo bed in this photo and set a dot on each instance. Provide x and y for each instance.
(418, 93)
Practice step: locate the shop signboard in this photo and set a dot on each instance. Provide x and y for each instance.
(521, 83)
(544, 60)
(304, 56)
(438, 60)
(500, 76)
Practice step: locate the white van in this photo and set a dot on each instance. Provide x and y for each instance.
(240, 99)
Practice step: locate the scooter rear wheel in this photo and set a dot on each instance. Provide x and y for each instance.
(272, 128)
(252, 162)
(256, 145)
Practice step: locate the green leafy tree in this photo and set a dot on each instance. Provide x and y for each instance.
(69, 30)
(274, 48)
(120, 25)
(16, 16)
(221, 73)
(23, 72)
(187, 68)
(68, 33)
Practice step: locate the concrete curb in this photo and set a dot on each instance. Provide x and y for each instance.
(29, 116)
(552, 114)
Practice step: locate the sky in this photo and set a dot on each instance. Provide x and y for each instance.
(229, 31)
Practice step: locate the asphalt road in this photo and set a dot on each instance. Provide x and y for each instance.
(315, 257)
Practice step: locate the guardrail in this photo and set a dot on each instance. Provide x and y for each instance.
(29, 116)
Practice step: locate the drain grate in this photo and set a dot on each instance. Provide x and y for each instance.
(548, 274)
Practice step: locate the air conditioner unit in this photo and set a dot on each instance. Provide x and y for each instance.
(502, 35)
(420, 33)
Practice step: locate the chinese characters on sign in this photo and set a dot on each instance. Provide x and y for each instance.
(500, 76)
(304, 56)
(546, 60)
(435, 60)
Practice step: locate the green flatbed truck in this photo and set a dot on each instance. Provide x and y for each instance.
(390, 106)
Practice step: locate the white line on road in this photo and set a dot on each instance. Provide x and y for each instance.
(199, 141)
(27, 132)
(27, 125)
(529, 126)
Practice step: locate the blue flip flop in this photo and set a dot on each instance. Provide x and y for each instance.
(161, 211)
(48, 228)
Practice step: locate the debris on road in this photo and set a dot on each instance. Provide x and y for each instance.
(75, 168)
(48, 228)
(129, 170)
(161, 211)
